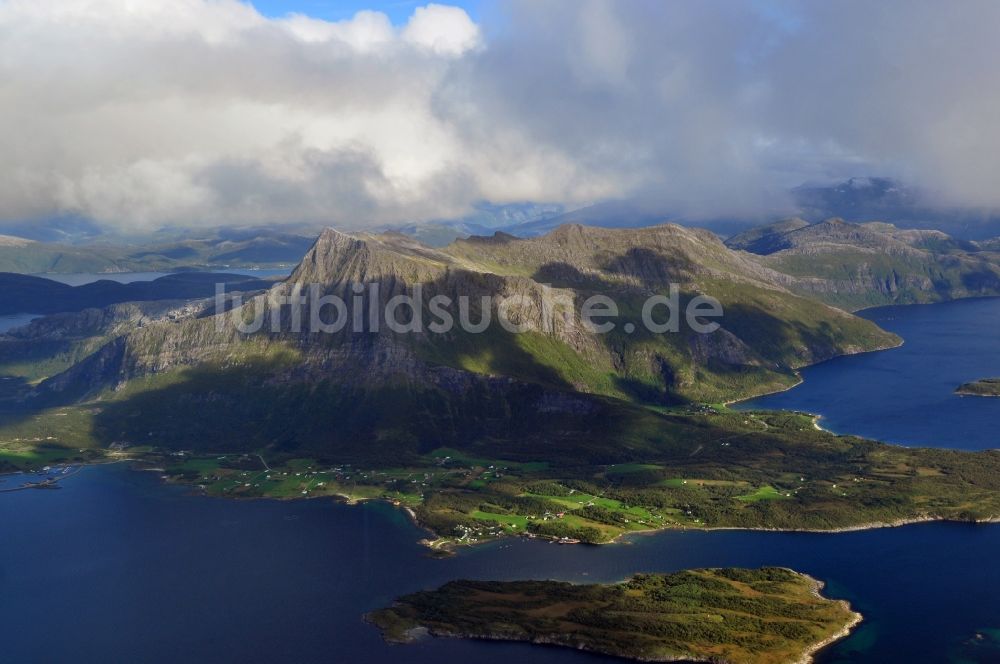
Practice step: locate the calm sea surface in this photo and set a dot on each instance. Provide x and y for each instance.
(116, 566)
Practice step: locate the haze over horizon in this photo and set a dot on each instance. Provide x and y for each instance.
(142, 114)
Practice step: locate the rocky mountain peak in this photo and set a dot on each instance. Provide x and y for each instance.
(338, 257)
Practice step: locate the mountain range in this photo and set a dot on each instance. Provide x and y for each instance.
(177, 375)
(861, 265)
(767, 331)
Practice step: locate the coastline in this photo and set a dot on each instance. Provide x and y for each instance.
(871, 525)
(443, 545)
(801, 380)
(809, 655)
(440, 544)
(622, 538)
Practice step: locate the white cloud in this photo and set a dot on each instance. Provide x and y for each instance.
(143, 113)
(442, 29)
(368, 31)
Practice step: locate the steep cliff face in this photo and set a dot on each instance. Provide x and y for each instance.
(766, 330)
(860, 265)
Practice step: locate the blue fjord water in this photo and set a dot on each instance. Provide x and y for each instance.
(907, 395)
(116, 566)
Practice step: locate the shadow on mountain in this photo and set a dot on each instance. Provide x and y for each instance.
(209, 409)
(985, 281)
(13, 389)
(650, 268)
(499, 237)
(644, 392)
(564, 275)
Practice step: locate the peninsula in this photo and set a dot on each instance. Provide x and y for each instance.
(693, 467)
(758, 616)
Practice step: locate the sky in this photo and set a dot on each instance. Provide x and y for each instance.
(398, 11)
(140, 114)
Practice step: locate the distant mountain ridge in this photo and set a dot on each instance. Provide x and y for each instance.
(861, 199)
(21, 293)
(228, 248)
(859, 265)
(485, 218)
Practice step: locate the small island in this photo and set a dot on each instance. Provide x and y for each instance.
(751, 616)
(986, 387)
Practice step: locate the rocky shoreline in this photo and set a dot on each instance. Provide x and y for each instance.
(809, 655)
